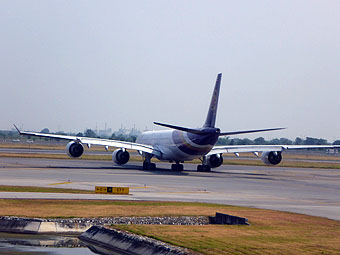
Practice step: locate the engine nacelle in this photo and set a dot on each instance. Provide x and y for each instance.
(214, 160)
(271, 157)
(74, 149)
(120, 157)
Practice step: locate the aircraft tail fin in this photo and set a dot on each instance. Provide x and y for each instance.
(17, 129)
(211, 117)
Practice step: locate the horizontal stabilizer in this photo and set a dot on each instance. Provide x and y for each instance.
(249, 131)
(190, 130)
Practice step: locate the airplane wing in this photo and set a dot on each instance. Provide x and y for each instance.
(261, 148)
(96, 141)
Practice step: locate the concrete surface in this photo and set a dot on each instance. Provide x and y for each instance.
(128, 243)
(39, 226)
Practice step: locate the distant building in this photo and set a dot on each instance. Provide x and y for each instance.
(105, 132)
(135, 132)
(127, 132)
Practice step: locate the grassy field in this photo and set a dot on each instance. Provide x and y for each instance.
(62, 156)
(227, 161)
(5, 188)
(270, 232)
(301, 156)
(61, 146)
(32, 146)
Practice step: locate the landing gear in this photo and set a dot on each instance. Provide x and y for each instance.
(177, 167)
(203, 168)
(149, 165)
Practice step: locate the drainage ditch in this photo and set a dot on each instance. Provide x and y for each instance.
(26, 244)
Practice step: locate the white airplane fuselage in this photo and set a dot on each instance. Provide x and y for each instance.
(179, 146)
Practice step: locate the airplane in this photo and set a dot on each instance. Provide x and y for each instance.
(180, 144)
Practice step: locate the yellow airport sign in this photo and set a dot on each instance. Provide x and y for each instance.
(112, 190)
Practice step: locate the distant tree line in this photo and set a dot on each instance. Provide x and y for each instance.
(8, 134)
(4, 134)
(120, 137)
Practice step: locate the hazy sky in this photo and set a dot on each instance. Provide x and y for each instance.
(71, 65)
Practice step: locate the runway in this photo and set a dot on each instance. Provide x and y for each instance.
(309, 191)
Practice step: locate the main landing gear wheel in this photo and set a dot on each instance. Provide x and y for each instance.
(149, 166)
(177, 167)
(203, 168)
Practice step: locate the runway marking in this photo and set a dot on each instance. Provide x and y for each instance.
(183, 192)
(59, 183)
(140, 187)
(9, 164)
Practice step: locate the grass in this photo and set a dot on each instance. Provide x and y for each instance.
(43, 146)
(236, 161)
(294, 159)
(279, 238)
(102, 208)
(299, 164)
(54, 156)
(270, 232)
(306, 156)
(5, 188)
(65, 156)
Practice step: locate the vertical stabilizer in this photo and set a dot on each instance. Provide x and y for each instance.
(211, 117)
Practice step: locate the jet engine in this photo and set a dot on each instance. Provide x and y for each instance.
(120, 156)
(271, 157)
(214, 160)
(74, 149)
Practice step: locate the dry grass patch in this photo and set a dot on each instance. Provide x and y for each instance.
(227, 161)
(299, 164)
(248, 162)
(306, 156)
(44, 146)
(54, 156)
(31, 146)
(291, 155)
(81, 208)
(107, 157)
(4, 188)
(280, 233)
(301, 156)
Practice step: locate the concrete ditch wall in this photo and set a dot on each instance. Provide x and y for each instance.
(128, 243)
(222, 219)
(80, 225)
(96, 236)
(38, 226)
